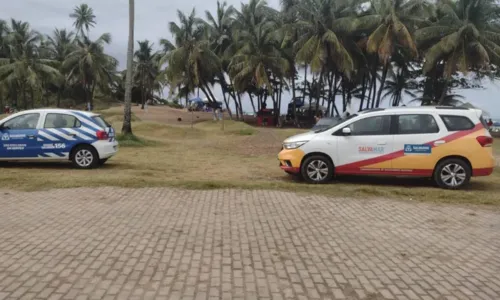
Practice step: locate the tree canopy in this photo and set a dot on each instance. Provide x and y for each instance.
(375, 51)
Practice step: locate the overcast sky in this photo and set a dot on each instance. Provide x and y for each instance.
(151, 22)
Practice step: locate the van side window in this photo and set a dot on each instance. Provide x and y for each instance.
(378, 125)
(61, 121)
(416, 124)
(457, 123)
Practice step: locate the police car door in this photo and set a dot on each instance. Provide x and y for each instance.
(59, 135)
(19, 137)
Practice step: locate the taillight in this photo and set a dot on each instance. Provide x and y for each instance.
(485, 141)
(101, 135)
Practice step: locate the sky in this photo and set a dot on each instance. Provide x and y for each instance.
(151, 22)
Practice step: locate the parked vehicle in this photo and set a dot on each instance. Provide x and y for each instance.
(326, 122)
(84, 138)
(448, 144)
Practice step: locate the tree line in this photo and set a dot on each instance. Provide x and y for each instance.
(357, 49)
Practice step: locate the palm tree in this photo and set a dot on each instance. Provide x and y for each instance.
(60, 45)
(465, 36)
(389, 24)
(145, 69)
(84, 19)
(220, 35)
(191, 62)
(321, 42)
(127, 113)
(25, 69)
(89, 66)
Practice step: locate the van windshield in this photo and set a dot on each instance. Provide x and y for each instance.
(331, 122)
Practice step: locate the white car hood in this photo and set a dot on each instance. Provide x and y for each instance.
(303, 137)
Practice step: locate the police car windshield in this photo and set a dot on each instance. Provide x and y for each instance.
(335, 122)
(101, 121)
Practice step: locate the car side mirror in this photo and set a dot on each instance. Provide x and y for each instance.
(346, 131)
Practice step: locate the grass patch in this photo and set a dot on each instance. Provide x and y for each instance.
(207, 157)
(246, 131)
(130, 140)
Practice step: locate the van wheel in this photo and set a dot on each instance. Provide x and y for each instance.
(452, 174)
(85, 157)
(317, 169)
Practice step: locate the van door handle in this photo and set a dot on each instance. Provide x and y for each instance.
(72, 134)
(382, 143)
(31, 136)
(440, 142)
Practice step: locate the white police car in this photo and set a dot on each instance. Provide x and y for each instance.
(84, 138)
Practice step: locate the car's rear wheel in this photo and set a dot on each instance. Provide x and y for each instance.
(452, 173)
(85, 157)
(317, 169)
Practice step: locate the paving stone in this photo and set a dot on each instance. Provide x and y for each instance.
(159, 243)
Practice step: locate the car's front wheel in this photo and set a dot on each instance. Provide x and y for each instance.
(317, 169)
(452, 174)
(85, 157)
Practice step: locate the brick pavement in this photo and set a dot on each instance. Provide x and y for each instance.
(112, 243)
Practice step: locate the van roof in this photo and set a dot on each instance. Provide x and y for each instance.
(419, 108)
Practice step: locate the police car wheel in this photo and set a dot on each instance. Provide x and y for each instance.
(317, 169)
(452, 174)
(85, 157)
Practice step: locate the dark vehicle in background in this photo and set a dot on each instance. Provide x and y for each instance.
(495, 129)
(325, 123)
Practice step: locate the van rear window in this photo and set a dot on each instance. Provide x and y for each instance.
(457, 123)
(483, 121)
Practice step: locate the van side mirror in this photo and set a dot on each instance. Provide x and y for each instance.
(346, 131)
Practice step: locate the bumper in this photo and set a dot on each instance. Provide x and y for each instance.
(290, 160)
(482, 172)
(106, 149)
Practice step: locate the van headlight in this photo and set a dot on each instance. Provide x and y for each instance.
(293, 145)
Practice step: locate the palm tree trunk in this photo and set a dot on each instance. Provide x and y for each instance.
(320, 82)
(251, 101)
(294, 104)
(305, 82)
(227, 105)
(127, 113)
(374, 83)
(444, 91)
(143, 97)
(25, 103)
(363, 93)
(329, 97)
(382, 82)
(335, 89)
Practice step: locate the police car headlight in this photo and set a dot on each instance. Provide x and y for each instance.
(293, 145)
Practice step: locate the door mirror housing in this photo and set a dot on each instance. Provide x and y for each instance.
(346, 131)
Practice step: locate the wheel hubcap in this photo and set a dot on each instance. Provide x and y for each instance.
(84, 158)
(317, 170)
(453, 175)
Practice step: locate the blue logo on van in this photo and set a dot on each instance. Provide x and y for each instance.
(417, 149)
